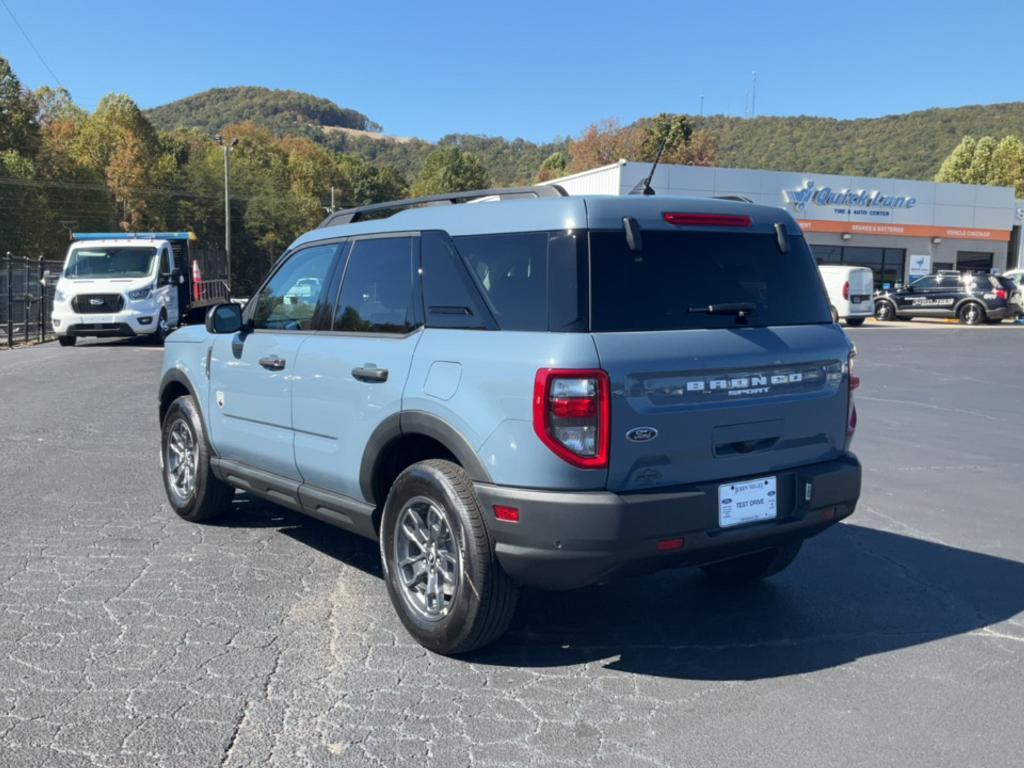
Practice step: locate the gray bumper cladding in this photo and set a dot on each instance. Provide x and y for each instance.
(565, 540)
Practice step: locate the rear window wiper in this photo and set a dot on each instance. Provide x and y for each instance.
(738, 308)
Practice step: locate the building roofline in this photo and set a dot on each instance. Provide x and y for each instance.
(588, 172)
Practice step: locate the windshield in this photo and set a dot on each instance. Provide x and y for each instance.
(110, 262)
(672, 282)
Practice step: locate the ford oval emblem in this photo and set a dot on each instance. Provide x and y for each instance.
(641, 434)
(97, 302)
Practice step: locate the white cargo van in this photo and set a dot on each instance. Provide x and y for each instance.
(850, 291)
(119, 286)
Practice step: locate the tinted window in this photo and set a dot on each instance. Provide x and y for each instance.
(287, 302)
(511, 271)
(451, 298)
(924, 283)
(377, 290)
(675, 273)
(567, 282)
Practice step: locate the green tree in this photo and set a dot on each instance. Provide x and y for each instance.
(556, 164)
(986, 161)
(1008, 164)
(19, 130)
(956, 167)
(449, 169)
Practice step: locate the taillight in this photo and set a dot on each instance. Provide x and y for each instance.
(707, 220)
(846, 290)
(1001, 294)
(572, 415)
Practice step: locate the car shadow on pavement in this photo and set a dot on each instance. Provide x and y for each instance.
(852, 592)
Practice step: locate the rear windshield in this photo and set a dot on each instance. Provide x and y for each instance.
(678, 274)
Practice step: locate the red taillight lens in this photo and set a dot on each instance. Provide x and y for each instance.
(706, 220)
(846, 290)
(572, 414)
(1001, 294)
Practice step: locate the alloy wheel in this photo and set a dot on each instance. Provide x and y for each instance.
(427, 559)
(181, 460)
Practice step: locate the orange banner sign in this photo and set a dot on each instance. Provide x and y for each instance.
(903, 230)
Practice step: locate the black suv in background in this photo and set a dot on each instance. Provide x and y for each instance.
(971, 299)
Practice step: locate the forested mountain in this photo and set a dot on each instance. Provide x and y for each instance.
(912, 145)
(281, 112)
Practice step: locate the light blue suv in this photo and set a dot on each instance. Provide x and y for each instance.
(519, 387)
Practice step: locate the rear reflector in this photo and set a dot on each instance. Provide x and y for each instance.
(667, 545)
(508, 514)
(707, 220)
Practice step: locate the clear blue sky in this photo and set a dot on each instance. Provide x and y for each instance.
(532, 69)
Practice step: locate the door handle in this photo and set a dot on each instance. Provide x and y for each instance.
(272, 363)
(370, 373)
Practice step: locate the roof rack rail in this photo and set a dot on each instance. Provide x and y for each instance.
(733, 198)
(352, 215)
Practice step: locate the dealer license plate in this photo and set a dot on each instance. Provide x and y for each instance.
(747, 502)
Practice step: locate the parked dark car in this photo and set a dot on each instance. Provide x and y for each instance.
(971, 299)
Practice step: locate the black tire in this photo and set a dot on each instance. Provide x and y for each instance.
(885, 311)
(208, 497)
(835, 314)
(159, 336)
(753, 567)
(483, 597)
(971, 313)
(855, 322)
(67, 341)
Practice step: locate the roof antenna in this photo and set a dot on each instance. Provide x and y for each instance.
(644, 187)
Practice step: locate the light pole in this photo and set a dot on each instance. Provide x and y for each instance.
(228, 146)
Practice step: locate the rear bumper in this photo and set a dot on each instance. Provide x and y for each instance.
(565, 540)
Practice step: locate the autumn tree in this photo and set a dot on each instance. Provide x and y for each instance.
(608, 142)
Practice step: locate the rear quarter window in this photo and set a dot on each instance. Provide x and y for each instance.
(531, 281)
(677, 274)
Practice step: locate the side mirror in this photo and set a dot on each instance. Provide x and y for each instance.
(224, 318)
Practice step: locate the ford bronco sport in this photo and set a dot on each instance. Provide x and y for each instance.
(535, 389)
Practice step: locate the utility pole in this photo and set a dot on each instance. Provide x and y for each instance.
(228, 147)
(753, 95)
(702, 105)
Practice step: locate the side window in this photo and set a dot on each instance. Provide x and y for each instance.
(287, 302)
(165, 264)
(377, 290)
(451, 299)
(511, 271)
(924, 283)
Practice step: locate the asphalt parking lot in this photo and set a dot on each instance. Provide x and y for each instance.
(130, 638)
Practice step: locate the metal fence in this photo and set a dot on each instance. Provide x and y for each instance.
(26, 298)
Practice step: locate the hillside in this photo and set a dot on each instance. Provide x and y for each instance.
(283, 112)
(911, 146)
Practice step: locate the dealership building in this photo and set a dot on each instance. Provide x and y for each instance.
(899, 228)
